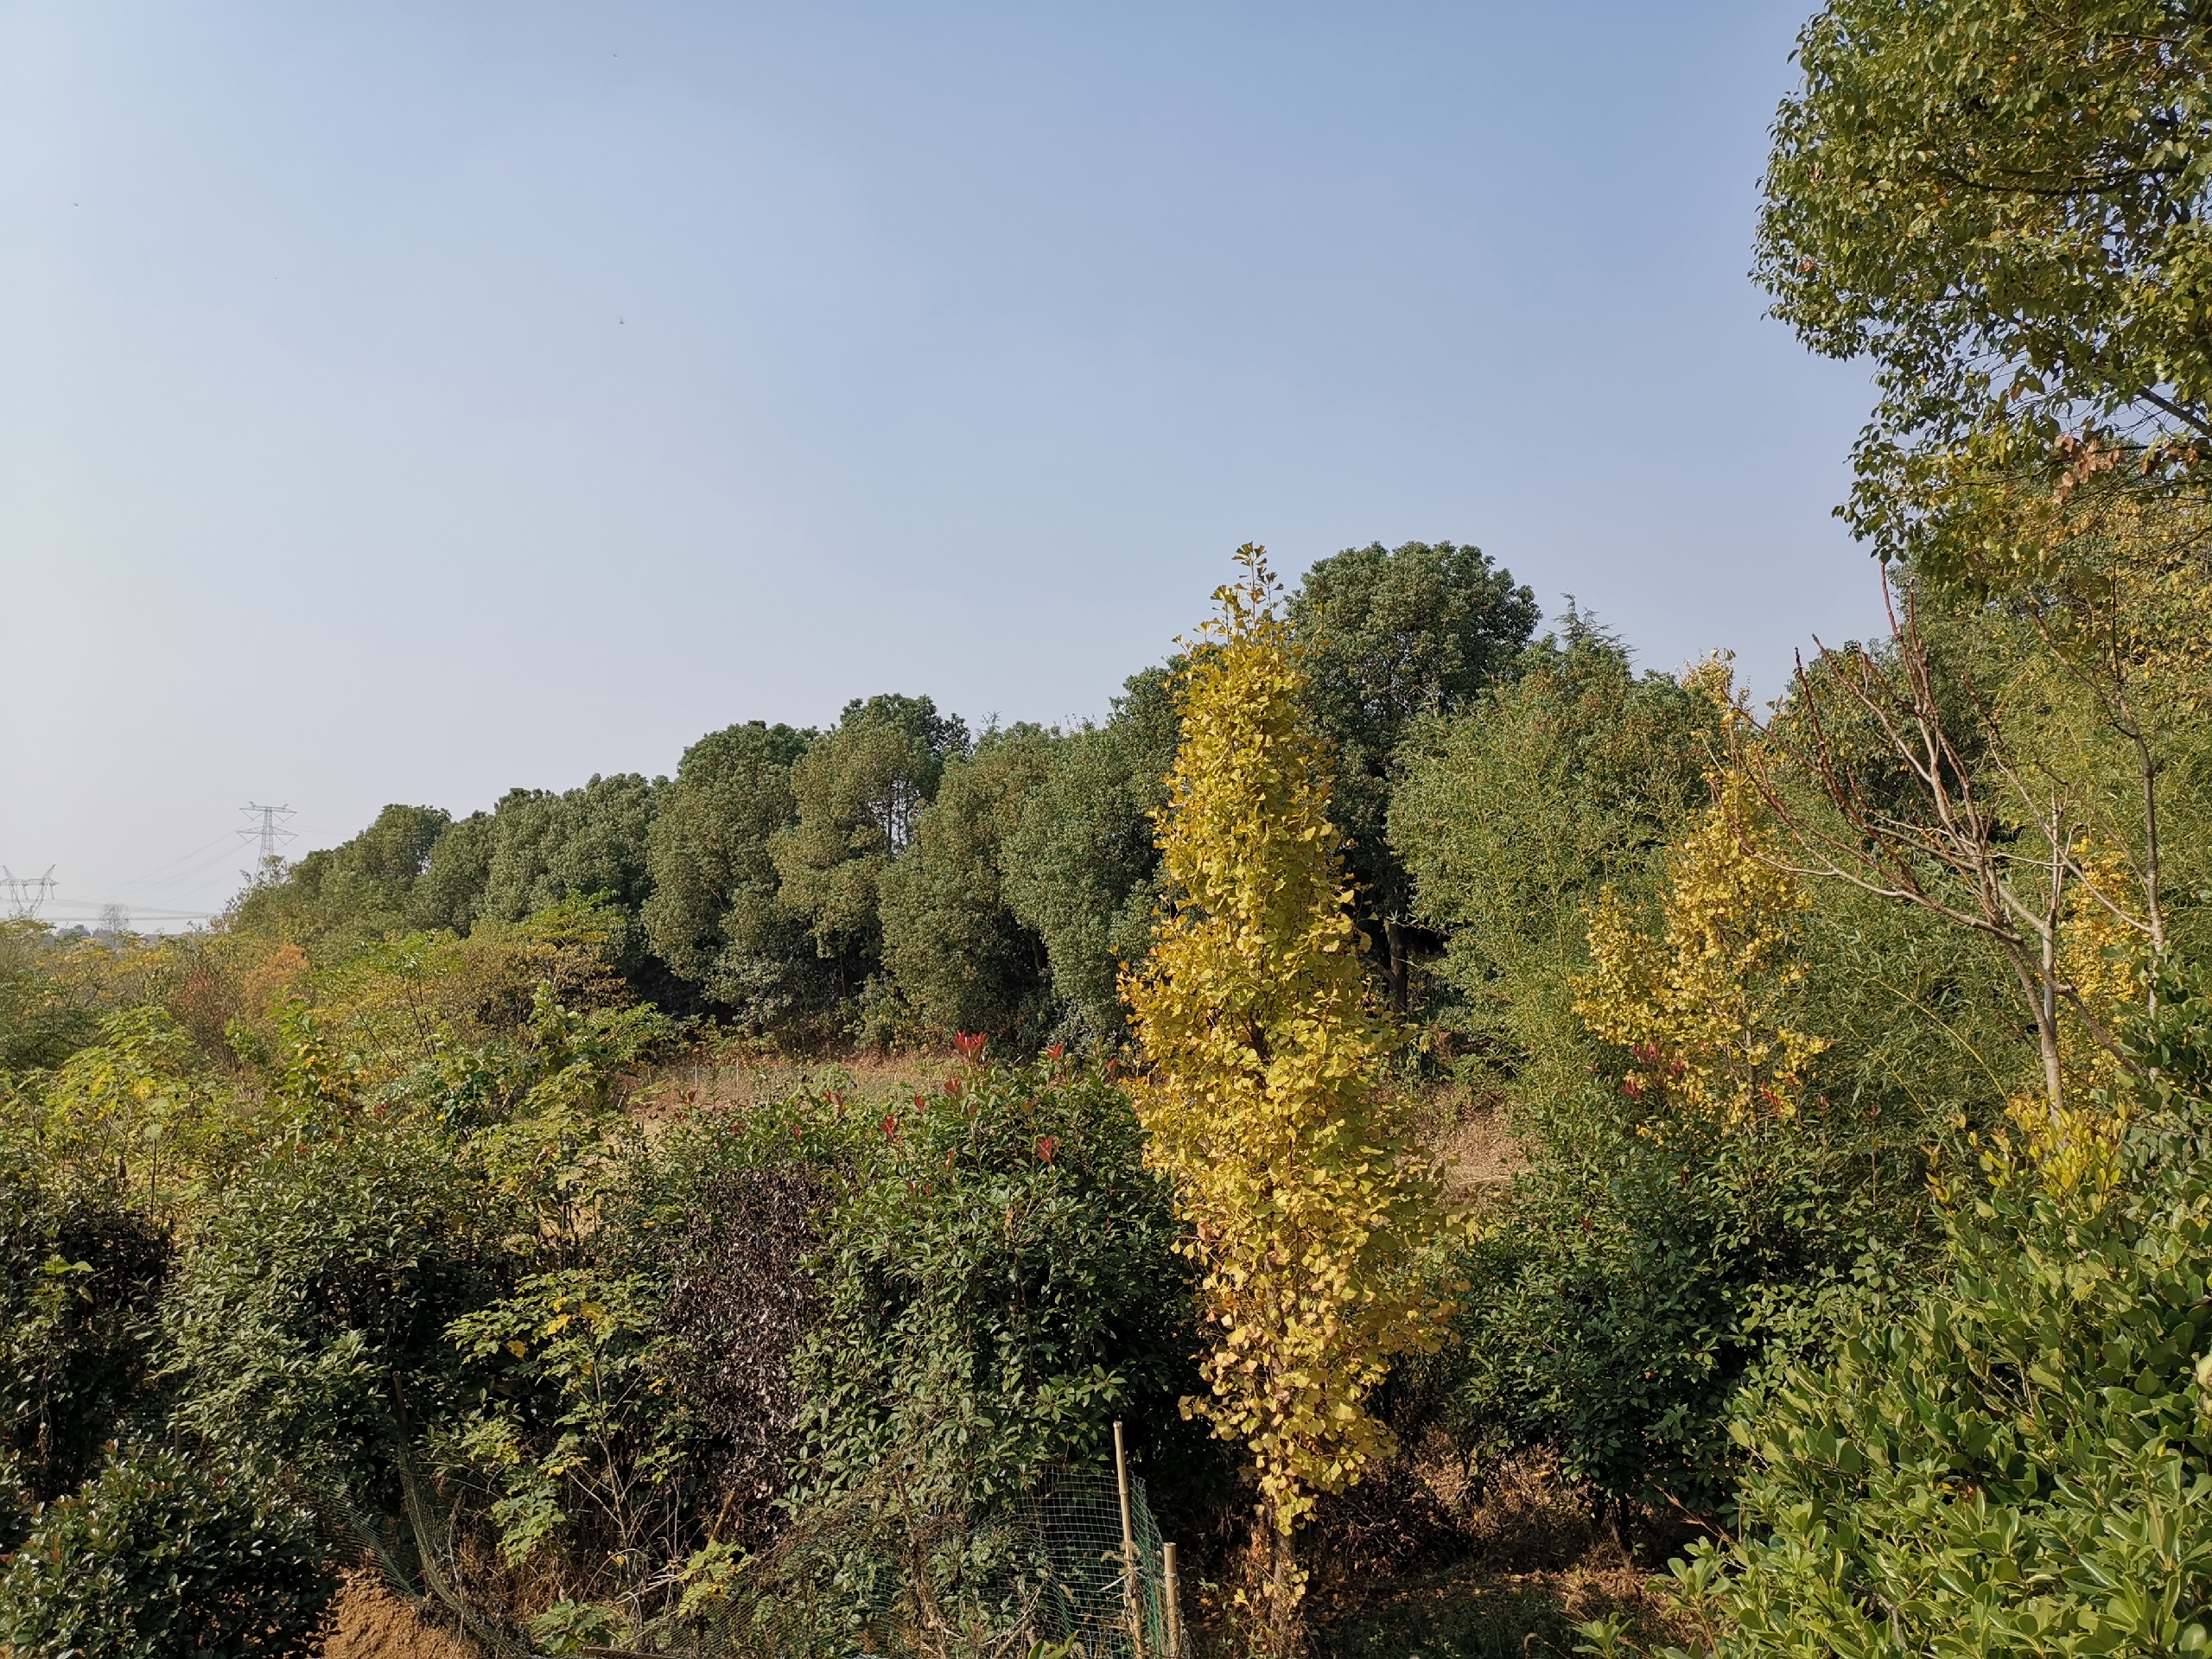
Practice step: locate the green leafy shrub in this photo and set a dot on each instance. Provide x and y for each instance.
(2022, 1463)
(161, 1558)
(1632, 1284)
(41, 1023)
(993, 1284)
(79, 1274)
(599, 1442)
(1000, 1284)
(308, 1321)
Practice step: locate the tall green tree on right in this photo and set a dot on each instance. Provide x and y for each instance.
(2003, 206)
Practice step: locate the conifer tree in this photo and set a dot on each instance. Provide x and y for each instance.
(1308, 1205)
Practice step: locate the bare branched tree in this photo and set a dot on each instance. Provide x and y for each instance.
(1988, 841)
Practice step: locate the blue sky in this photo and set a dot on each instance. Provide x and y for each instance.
(407, 402)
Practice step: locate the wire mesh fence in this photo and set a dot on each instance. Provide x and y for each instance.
(887, 1572)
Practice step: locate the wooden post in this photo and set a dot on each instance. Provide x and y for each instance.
(1171, 1593)
(1129, 1584)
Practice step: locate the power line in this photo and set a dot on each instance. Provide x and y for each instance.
(205, 847)
(75, 910)
(190, 875)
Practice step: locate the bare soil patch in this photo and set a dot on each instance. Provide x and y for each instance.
(373, 1623)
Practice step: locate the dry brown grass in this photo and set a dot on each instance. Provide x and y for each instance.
(733, 1081)
(1480, 1153)
(1508, 1562)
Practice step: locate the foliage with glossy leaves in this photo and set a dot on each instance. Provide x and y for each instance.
(2022, 1460)
(1000, 1282)
(162, 1556)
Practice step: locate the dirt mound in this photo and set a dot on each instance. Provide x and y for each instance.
(373, 1623)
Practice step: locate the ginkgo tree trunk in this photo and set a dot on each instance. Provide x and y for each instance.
(1312, 1214)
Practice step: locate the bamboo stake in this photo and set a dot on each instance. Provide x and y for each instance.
(1128, 1547)
(1171, 1589)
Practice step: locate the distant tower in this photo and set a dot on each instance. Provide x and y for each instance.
(270, 833)
(27, 892)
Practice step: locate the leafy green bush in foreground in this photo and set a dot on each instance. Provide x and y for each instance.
(2024, 1465)
(160, 1557)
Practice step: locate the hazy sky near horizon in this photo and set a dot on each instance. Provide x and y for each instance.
(402, 402)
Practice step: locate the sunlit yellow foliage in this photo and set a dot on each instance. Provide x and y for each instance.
(1308, 1207)
(136, 1108)
(1702, 1006)
(2075, 1149)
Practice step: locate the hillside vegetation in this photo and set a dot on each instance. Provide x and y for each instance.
(722, 1214)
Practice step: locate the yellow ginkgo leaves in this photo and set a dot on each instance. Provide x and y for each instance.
(1310, 1214)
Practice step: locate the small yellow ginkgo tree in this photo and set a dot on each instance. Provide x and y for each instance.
(1703, 1008)
(1312, 1213)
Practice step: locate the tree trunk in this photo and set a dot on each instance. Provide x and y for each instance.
(1275, 1588)
(2043, 1011)
(1394, 940)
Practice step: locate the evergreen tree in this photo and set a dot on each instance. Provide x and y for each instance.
(960, 958)
(1388, 636)
(858, 793)
(714, 916)
(1081, 866)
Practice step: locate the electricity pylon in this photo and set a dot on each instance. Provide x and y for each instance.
(27, 892)
(271, 834)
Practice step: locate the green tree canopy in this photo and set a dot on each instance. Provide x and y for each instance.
(1512, 817)
(957, 953)
(2003, 206)
(361, 887)
(546, 846)
(1387, 636)
(858, 793)
(714, 915)
(1081, 866)
(450, 890)
(416, 868)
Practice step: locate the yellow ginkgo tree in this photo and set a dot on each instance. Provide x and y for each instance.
(1703, 1008)
(1310, 1211)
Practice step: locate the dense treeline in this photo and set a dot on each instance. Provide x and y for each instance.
(897, 876)
(1855, 1054)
